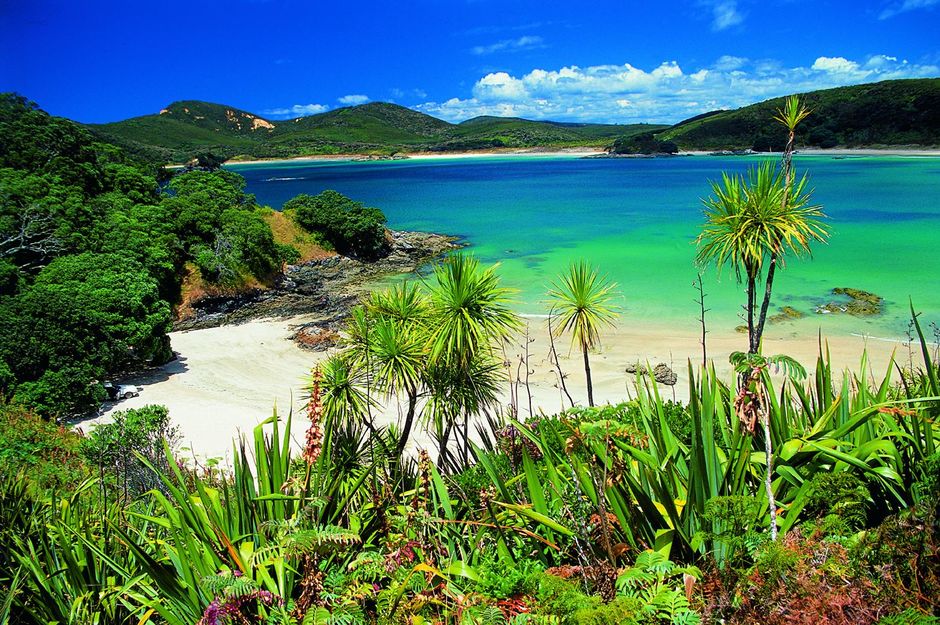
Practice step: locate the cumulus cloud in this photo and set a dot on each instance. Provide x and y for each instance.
(725, 14)
(526, 42)
(297, 110)
(896, 8)
(666, 93)
(353, 99)
(835, 64)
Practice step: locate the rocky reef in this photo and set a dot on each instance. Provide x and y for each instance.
(787, 313)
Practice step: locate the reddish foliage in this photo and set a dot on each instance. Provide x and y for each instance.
(803, 581)
(513, 607)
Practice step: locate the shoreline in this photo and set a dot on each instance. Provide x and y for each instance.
(366, 158)
(857, 152)
(562, 153)
(326, 288)
(228, 379)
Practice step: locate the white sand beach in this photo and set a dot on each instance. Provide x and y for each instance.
(226, 380)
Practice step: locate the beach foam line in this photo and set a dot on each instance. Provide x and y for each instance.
(885, 339)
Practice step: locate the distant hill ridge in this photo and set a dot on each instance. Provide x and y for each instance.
(885, 114)
(188, 127)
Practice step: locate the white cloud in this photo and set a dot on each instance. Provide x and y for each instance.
(526, 42)
(666, 93)
(297, 110)
(835, 64)
(725, 14)
(896, 8)
(353, 99)
(727, 63)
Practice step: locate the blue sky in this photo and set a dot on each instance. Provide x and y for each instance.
(605, 61)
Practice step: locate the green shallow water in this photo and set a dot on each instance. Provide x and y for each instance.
(637, 219)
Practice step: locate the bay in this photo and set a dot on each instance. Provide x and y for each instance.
(637, 219)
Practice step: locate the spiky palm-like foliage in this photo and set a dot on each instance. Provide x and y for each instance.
(755, 219)
(397, 353)
(582, 305)
(469, 316)
(760, 218)
(469, 310)
(344, 395)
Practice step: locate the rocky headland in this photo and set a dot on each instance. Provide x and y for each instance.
(325, 288)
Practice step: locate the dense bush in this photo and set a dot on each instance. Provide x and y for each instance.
(645, 143)
(132, 440)
(351, 228)
(92, 252)
(44, 455)
(85, 315)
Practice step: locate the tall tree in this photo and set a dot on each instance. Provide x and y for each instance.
(758, 218)
(582, 304)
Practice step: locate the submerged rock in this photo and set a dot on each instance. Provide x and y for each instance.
(787, 313)
(855, 302)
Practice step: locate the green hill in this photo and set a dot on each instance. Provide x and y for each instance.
(185, 128)
(513, 132)
(883, 114)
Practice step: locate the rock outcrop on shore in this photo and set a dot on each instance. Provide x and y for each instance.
(326, 288)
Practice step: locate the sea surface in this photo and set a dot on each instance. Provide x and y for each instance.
(637, 220)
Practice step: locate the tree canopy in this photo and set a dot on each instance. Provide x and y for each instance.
(349, 226)
(92, 250)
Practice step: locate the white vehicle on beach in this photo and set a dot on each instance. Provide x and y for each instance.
(121, 391)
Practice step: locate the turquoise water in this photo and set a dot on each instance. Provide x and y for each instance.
(637, 220)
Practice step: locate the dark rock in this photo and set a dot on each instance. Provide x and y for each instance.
(661, 372)
(664, 375)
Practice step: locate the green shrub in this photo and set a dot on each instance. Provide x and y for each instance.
(676, 414)
(350, 227)
(902, 554)
(840, 494)
(927, 488)
(114, 447)
(730, 524)
(559, 597)
(909, 617)
(44, 454)
(502, 578)
(620, 611)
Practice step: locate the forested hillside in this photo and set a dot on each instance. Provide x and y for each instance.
(883, 114)
(886, 114)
